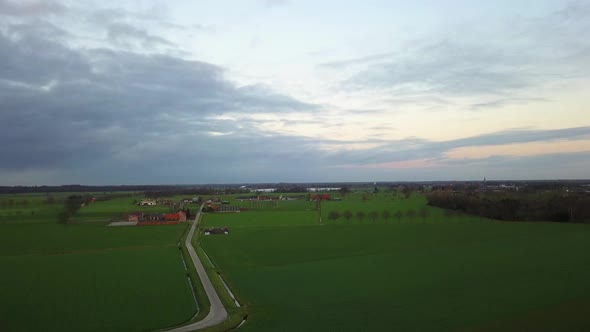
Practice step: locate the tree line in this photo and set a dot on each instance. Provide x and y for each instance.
(549, 206)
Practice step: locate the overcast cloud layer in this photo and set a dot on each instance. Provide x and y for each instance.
(96, 93)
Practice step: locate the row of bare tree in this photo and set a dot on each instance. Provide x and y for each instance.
(385, 215)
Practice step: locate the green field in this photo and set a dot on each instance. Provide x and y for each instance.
(85, 276)
(104, 211)
(438, 273)
(422, 271)
(23, 208)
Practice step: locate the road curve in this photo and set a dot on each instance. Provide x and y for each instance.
(217, 312)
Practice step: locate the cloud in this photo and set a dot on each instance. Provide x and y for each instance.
(364, 60)
(110, 16)
(30, 8)
(75, 112)
(447, 68)
(501, 62)
(70, 108)
(274, 3)
(420, 149)
(570, 165)
(504, 101)
(126, 34)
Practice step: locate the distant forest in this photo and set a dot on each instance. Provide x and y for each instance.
(516, 206)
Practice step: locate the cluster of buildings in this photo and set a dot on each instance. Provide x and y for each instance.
(217, 205)
(266, 198)
(156, 217)
(168, 202)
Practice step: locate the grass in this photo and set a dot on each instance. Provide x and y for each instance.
(46, 238)
(88, 277)
(260, 218)
(105, 210)
(27, 208)
(436, 274)
(106, 291)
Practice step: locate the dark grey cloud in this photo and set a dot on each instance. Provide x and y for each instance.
(30, 8)
(65, 107)
(19, 60)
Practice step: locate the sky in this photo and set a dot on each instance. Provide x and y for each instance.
(194, 92)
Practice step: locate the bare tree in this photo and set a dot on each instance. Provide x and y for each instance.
(344, 191)
(424, 213)
(360, 215)
(334, 215)
(386, 215)
(347, 215)
(373, 215)
(398, 215)
(407, 191)
(411, 214)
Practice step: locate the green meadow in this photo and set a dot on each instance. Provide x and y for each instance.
(105, 210)
(439, 272)
(24, 208)
(429, 270)
(85, 276)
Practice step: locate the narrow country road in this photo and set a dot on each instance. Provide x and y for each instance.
(217, 313)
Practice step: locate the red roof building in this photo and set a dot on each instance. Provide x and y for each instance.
(179, 216)
(321, 197)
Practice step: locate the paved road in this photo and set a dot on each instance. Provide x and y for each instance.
(217, 314)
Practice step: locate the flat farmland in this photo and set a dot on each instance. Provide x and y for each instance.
(261, 218)
(105, 210)
(123, 290)
(88, 277)
(25, 208)
(433, 274)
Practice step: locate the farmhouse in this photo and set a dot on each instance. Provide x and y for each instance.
(134, 217)
(315, 189)
(179, 216)
(321, 197)
(147, 202)
(141, 218)
(154, 217)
